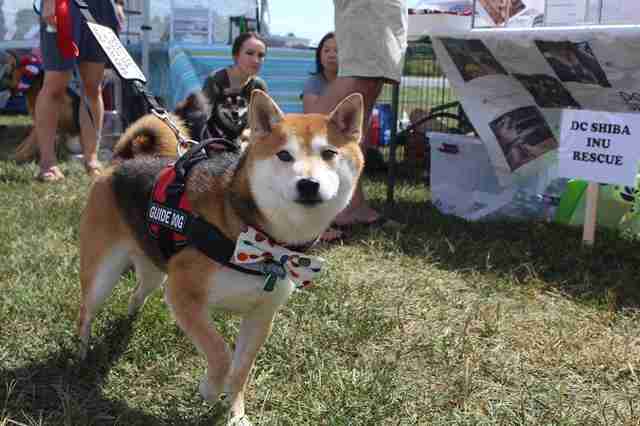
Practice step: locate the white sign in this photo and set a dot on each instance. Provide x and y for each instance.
(620, 12)
(565, 12)
(599, 146)
(122, 62)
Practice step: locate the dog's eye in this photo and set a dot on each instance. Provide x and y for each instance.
(329, 154)
(285, 156)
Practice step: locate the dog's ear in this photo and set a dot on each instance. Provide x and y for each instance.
(347, 117)
(263, 113)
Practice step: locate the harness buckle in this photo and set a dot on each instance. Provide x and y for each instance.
(175, 188)
(183, 143)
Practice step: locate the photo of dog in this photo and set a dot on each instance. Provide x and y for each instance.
(547, 91)
(296, 174)
(472, 58)
(574, 62)
(523, 136)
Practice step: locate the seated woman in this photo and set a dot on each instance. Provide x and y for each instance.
(326, 71)
(229, 90)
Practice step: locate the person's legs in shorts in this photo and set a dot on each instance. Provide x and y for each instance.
(92, 64)
(91, 74)
(371, 36)
(56, 78)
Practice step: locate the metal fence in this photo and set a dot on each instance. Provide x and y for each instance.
(424, 102)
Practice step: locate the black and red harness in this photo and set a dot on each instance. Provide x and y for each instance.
(174, 225)
(172, 222)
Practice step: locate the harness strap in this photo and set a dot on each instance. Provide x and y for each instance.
(209, 240)
(175, 226)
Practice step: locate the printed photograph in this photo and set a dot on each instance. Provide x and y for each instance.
(523, 136)
(501, 10)
(573, 62)
(472, 58)
(547, 91)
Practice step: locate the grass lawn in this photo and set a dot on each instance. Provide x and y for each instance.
(443, 323)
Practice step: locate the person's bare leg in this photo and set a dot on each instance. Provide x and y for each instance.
(46, 120)
(341, 87)
(92, 74)
(358, 211)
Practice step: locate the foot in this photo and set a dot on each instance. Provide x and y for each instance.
(363, 215)
(50, 174)
(332, 235)
(93, 169)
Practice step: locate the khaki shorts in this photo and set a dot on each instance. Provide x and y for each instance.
(371, 37)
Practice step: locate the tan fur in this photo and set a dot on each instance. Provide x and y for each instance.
(195, 282)
(149, 135)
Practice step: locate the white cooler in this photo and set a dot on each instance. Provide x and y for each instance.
(464, 183)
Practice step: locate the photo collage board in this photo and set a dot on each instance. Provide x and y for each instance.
(514, 85)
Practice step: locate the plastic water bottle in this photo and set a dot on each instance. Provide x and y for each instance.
(374, 131)
(387, 137)
(404, 122)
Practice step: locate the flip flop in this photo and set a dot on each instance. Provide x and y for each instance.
(93, 168)
(381, 222)
(52, 174)
(333, 234)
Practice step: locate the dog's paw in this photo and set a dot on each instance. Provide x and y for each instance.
(212, 393)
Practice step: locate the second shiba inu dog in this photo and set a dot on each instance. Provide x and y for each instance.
(296, 174)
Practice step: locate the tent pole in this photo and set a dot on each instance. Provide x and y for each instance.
(146, 17)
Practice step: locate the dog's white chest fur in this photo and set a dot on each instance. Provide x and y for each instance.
(238, 292)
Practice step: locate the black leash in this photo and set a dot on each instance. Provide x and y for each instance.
(128, 70)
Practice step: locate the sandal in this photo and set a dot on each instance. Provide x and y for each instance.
(381, 222)
(52, 174)
(93, 168)
(333, 234)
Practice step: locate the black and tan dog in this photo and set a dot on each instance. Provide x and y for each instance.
(68, 125)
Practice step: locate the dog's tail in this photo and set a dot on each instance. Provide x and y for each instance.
(149, 136)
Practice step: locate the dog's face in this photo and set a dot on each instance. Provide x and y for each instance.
(231, 113)
(233, 108)
(303, 168)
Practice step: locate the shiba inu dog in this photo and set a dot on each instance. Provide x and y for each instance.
(296, 174)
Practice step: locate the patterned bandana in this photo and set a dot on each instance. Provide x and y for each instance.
(276, 262)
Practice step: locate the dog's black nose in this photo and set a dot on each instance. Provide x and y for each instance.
(308, 189)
